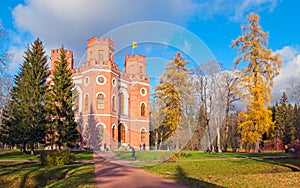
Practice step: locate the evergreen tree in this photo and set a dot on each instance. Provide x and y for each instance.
(63, 128)
(256, 80)
(297, 122)
(26, 115)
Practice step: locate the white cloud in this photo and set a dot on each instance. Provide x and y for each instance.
(72, 22)
(290, 71)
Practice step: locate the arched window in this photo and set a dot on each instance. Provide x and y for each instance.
(113, 103)
(86, 102)
(143, 135)
(143, 109)
(113, 131)
(100, 132)
(86, 134)
(100, 101)
(121, 133)
(122, 100)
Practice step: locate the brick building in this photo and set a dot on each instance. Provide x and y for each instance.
(112, 106)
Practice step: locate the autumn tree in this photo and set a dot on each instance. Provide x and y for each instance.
(172, 96)
(256, 80)
(62, 127)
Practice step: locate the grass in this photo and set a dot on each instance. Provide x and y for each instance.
(145, 155)
(20, 174)
(18, 155)
(16, 174)
(230, 170)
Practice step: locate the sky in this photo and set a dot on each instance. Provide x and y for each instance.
(202, 30)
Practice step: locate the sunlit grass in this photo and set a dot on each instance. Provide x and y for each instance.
(36, 175)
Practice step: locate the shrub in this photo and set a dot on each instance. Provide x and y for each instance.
(57, 157)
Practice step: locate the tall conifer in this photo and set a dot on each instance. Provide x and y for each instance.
(63, 128)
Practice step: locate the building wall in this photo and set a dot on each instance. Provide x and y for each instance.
(100, 76)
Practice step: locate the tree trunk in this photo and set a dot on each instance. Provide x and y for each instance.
(257, 149)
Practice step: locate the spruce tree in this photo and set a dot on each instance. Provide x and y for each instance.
(63, 128)
(26, 115)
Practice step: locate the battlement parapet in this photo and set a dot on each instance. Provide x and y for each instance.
(102, 41)
(56, 53)
(134, 57)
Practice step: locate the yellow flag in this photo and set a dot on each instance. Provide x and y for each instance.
(134, 44)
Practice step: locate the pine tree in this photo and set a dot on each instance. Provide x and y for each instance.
(26, 115)
(257, 80)
(63, 128)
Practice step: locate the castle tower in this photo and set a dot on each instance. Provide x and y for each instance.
(55, 56)
(135, 65)
(100, 51)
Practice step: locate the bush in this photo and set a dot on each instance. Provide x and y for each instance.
(57, 157)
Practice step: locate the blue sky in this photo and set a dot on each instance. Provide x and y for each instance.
(214, 23)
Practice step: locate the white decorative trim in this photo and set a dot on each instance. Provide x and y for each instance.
(122, 84)
(99, 70)
(142, 83)
(126, 128)
(100, 93)
(143, 128)
(113, 125)
(77, 77)
(78, 81)
(100, 123)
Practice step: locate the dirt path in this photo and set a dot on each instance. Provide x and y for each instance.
(111, 172)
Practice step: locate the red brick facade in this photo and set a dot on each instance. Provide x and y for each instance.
(112, 105)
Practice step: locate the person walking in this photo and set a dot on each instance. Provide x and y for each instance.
(133, 153)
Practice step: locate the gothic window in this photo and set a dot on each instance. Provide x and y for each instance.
(121, 133)
(143, 135)
(101, 56)
(113, 132)
(114, 103)
(100, 132)
(86, 102)
(122, 100)
(100, 101)
(143, 109)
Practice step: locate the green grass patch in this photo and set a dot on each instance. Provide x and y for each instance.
(36, 175)
(145, 155)
(83, 155)
(230, 171)
(18, 155)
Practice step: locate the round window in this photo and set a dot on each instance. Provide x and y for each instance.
(101, 80)
(143, 91)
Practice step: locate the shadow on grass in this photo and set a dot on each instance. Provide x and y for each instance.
(284, 162)
(181, 177)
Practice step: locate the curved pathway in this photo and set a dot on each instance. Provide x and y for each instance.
(112, 172)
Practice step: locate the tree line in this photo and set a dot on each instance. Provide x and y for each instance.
(40, 112)
(203, 106)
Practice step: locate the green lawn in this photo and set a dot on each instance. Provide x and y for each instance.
(15, 174)
(230, 170)
(20, 174)
(18, 155)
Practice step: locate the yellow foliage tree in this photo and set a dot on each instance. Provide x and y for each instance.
(256, 80)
